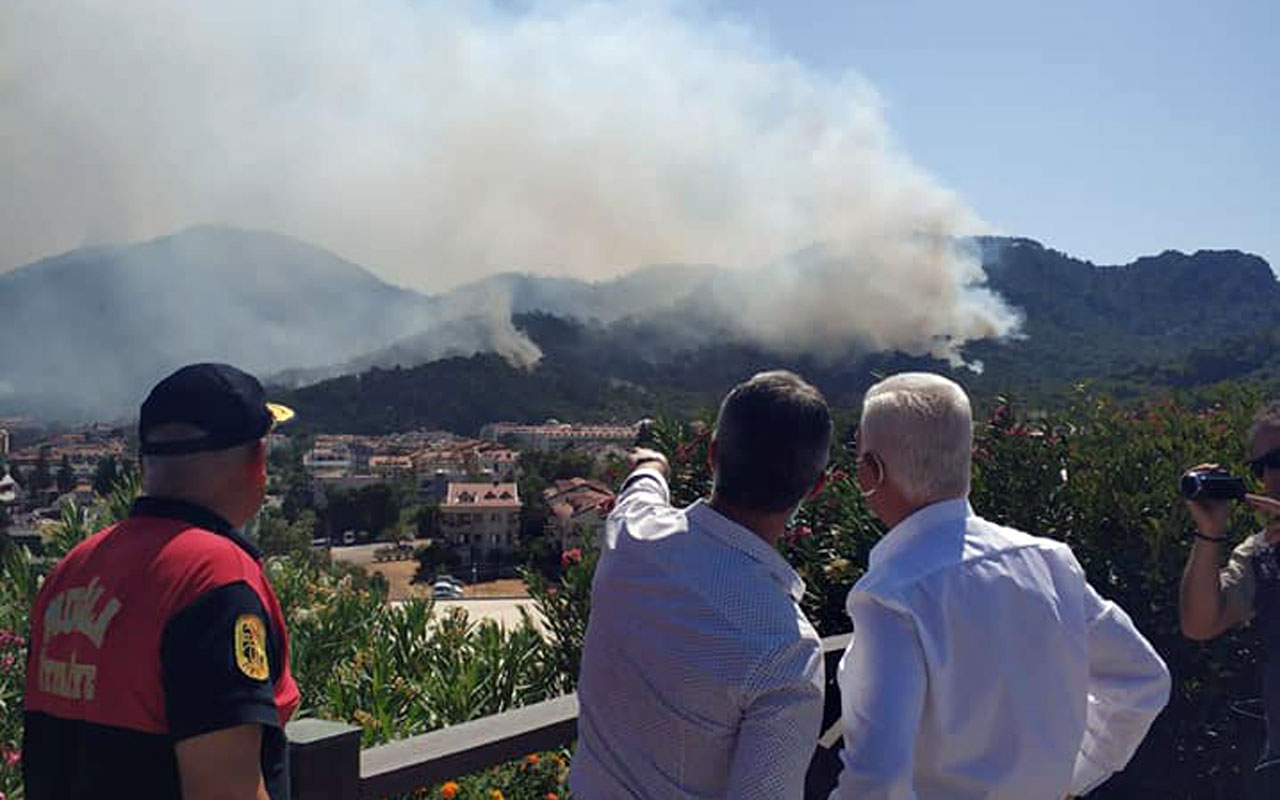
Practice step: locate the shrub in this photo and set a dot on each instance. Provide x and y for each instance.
(399, 670)
(564, 606)
(537, 776)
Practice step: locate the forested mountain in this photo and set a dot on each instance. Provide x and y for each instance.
(1171, 320)
(86, 332)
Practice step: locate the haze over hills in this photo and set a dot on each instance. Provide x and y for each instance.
(89, 330)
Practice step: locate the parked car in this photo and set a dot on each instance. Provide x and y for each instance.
(444, 590)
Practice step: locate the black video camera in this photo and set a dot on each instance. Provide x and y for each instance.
(1211, 484)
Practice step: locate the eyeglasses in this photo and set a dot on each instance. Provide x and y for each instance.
(1264, 462)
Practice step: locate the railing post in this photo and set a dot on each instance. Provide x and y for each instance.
(324, 760)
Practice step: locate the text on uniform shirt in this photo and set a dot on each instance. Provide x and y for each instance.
(74, 611)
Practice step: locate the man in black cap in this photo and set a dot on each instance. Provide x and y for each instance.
(159, 661)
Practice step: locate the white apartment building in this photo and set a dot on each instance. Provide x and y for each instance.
(481, 519)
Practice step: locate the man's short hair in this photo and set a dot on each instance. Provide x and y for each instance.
(177, 474)
(921, 426)
(1267, 417)
(773, 439)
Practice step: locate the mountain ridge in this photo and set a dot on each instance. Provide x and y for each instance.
(285, 308)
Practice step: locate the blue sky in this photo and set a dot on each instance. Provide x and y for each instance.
(1105, 129)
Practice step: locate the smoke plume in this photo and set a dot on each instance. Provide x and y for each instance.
(439, 142)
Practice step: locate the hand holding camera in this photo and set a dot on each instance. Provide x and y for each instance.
(643, 456)
(1211, 482)
(1208, 489)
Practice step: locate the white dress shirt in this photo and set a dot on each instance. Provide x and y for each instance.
(700, 677)
(983, 665)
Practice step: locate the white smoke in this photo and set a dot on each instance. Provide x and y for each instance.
(438, 142)
(506, 340)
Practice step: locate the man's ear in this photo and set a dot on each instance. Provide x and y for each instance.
(258, 455)
(818, 486)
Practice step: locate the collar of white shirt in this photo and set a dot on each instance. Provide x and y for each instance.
(900, 537)
(746, 541)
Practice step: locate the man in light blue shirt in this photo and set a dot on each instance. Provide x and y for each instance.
(983, 664)
(701, 677)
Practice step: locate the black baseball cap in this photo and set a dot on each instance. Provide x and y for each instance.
(228, 404)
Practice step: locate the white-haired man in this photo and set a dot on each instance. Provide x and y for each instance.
(983, 665)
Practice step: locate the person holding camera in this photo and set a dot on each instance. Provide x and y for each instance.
(1212, 599)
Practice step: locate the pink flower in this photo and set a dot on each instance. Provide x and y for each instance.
(573, 556)
(12, 757)
(804, 531)
(1001, 414)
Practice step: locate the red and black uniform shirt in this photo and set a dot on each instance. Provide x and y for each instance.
(157, 629)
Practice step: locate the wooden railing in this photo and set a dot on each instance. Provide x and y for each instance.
(328, 764)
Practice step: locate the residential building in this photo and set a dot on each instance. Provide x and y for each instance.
(391, 468)
(481, 520)
(499, 463)
(361, 457)
(328, 457)
(578, 509)
(431, 462)
(82, 496)
(553, 435)
(10, 491)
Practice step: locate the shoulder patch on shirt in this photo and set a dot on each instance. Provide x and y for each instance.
(251, 647)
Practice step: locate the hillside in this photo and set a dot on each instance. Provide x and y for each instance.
(87, 331)
(1129, 324)
(1172, 320)
(462, 394)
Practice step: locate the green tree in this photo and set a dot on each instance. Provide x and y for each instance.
(432, 558)
(427, 520)
(40, 477)
(375, 509)
(65, 480)
(105, 474)
(279, 537)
